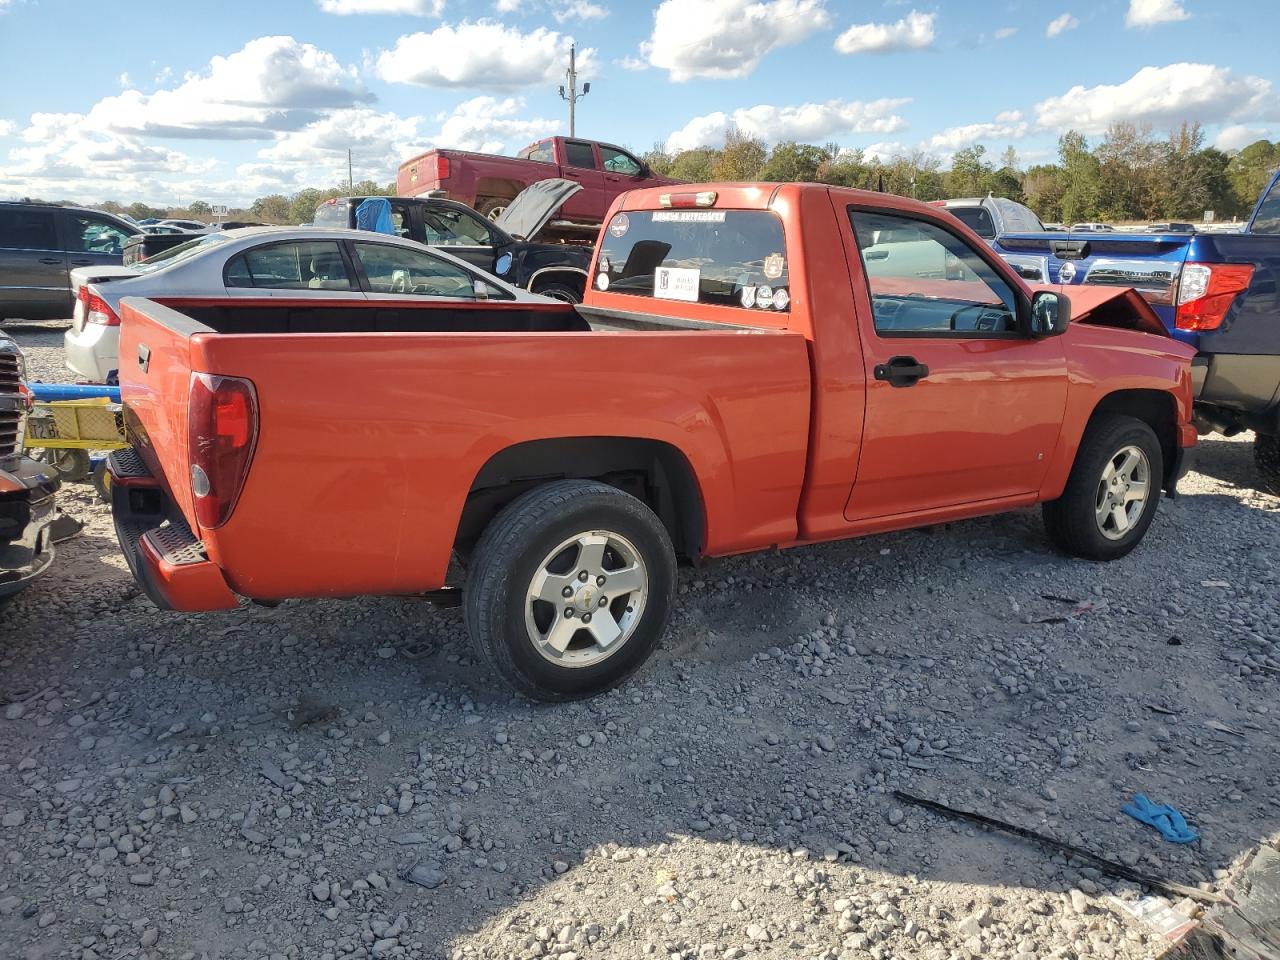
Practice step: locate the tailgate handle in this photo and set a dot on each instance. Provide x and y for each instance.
(1070, 249)
(144, 357)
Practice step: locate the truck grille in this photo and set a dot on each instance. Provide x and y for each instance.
(11, 405)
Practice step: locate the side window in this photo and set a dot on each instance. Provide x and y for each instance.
(615, 161)
(400, 220)
(91, 235)
(309, 265)
(398, 270)
(454, 228)
(977, 219)
(925, 280)
(544, 151)
(27, 230)
(1268, 218)
(579, 154)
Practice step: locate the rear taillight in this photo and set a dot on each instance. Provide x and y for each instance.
(96, 309)
(1206, 292)
(222, 429)
(442, 168)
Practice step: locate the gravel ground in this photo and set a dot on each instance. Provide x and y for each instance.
(262, 783)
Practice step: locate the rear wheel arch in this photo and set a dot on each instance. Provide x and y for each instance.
(1156, 408)
(655, 472)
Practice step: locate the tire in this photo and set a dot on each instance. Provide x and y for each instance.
(560, 291)
(102, 481)
(492, 207)
(72, 466)
(1075, 521)
(1266, 454)
(541, 536)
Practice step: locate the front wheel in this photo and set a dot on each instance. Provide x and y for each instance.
(570, 588)
(1266, 454)
(560, 291)
(1112, 493)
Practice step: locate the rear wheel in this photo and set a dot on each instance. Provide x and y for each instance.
(1112, 493)
(569, 589)
(560, 291)
(1266, 454)
(72, 465)
(492, 207)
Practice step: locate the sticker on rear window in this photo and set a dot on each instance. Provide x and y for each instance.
(619, 225)
(773, 265)
(688, 216)
(676, 283)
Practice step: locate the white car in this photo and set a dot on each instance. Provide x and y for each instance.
(268, 262)
(187, 226)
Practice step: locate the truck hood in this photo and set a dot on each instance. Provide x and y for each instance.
(1110, 307)
(533, 206)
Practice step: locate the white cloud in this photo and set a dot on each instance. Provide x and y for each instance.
(1004, 33)
(1148, 13)
(726, 39)
(7, 127)
(1238, 136)
(1163, 96)
(491, 125)
(270, 84)
(481, 55)
(912, 32)
(417, 8)
(578, 10)
(507, 6)
(885, 150)
(633, 64)
(1060, 25)
(1006, 126)
(807, 122)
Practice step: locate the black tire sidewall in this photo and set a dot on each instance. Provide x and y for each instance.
(1081, 495)
(535, 674)
(1266, 454)
(542, 291)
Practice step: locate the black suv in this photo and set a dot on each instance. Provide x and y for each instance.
(27, 488)
(40, 243)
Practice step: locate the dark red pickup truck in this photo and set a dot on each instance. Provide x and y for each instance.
(489, 182)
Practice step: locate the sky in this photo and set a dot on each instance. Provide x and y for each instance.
(174, 101)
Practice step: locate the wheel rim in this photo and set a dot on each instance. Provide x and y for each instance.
(495, 212)
(586, 598)
(561, 294)
(1122, 492)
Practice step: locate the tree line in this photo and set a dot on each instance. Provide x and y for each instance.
(1129, 174)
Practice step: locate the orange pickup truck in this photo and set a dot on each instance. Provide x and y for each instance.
(754, 365)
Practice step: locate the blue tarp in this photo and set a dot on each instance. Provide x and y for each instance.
(375, 214)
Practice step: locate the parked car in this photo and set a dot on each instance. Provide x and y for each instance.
(191, 226)
(739, 377)
(503, 247)
(488, 182)
(1173, 227)
(27, 488)
(257, 262)
(1092, 228)
(990, 216)
(1213, 290)
(40, 243)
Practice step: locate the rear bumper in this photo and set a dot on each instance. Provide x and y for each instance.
(26, 513)
(92, 351)
(1245, 387)
(163, 554)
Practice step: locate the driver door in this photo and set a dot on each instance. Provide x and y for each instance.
(963, 407)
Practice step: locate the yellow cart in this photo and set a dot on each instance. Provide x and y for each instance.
(63, 433)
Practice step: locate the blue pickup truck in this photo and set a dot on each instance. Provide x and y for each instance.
(1219, 292)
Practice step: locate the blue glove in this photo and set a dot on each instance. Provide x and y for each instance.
(1163, 817)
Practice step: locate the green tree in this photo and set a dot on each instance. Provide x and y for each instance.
(1081, 178)
(794, 162)
(274, 208)
(199, 209)
(969, 173)
(1250, 170)
(695, 166)
(658, 159)
(1042, 189)
(302, 206)
(742, 158)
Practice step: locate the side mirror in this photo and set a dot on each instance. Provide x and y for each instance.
(502, 265)
(1050, 313)
(481, 290)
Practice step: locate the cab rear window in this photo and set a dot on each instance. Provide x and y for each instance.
(728, 258)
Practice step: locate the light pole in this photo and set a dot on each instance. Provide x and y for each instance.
(573, 96)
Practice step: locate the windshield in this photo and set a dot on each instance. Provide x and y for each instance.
(183, 251)
(730, 258)
(976, 219)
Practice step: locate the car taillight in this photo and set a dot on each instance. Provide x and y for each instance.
(96, 310)
(442, 168)
(222, 430)
(1206, 292)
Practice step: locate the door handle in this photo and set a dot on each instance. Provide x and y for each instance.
(82, 263)
(901, 371)
(50, 260)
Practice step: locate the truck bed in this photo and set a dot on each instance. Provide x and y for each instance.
(376, 421)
